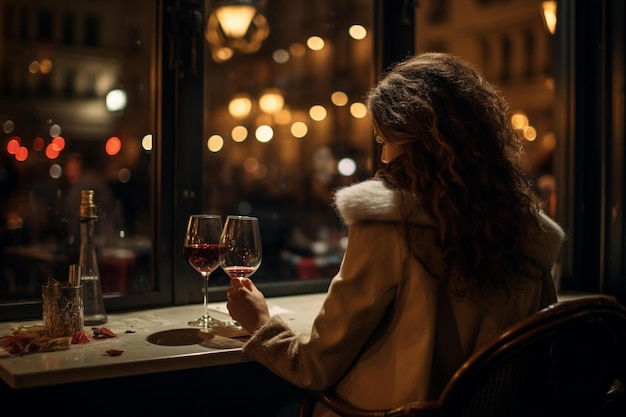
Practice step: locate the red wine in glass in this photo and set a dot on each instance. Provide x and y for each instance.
(242, 246)
(204, 257)
(239, 271)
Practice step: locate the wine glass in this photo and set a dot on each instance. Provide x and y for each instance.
(241, 240)
(203, 251)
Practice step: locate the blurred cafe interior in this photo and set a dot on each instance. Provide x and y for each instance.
(165, 110)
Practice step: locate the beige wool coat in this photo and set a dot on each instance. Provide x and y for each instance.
(386, 333)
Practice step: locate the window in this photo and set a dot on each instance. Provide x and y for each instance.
(284, 125)
(316, 59)
(267, 125)
(55, 129)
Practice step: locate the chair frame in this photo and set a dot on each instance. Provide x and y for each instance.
(540, 326)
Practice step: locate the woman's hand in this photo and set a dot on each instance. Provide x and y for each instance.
(246, 304)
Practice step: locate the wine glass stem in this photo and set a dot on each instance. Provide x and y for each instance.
(205, 278)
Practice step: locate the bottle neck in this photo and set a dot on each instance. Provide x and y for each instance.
(87, 255)
(87, 230)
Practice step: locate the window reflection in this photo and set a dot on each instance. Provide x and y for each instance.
(59, 67)
(515, 54)
(285, 125)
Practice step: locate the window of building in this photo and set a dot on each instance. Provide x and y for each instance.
(68, 28)
(44, 25)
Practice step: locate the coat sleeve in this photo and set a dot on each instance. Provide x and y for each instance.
(357, 299)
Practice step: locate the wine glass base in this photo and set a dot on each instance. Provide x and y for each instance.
(206, 322)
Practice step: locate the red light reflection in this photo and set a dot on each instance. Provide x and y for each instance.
(21, 154)
(113, 145)
(59, 143)
(38, 144)
(13, 145)
(51, 151)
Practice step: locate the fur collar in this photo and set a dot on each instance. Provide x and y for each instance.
(373, 200)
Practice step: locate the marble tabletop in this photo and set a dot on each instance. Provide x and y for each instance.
(154, 340)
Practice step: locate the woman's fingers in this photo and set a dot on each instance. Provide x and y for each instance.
(236, 282)
(246, 282)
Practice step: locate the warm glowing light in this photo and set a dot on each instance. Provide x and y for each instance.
(315, 43)
(240, 106)
(13, 145)
(357, 32)
(280, 56)
(58, 143)
(146, 142)
(222, 54)
(317, 113)
(530, 134)
(299, 130)
(38, 144)
(271, 101)
(346, 167)
(264, 133)
(549, 15)
(235, 19)
(519, 120)
(358, 110)
(45, 66)
(113, 145)
(215, 143)
(339, 98)
(239, 133)
(116, 100)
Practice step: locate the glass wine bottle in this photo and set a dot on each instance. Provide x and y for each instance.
(90, 275)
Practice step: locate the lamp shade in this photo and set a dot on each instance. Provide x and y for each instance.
(235, 18)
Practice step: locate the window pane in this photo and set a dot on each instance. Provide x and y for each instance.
(509, 43)
(77, 112)
(285, 125)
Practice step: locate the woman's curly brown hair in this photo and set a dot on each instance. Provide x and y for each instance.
(461, 159)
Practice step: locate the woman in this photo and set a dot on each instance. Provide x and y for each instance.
(447, 247)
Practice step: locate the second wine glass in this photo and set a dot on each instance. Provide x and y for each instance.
(241, 240)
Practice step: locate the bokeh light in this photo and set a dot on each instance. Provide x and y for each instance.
(113, 145)
(264, 133)
(215, 143)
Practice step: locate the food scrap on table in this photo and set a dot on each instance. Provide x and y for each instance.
(102, 333)
(80, 337)
(24, 340)
(113, 352)
(33, 339)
